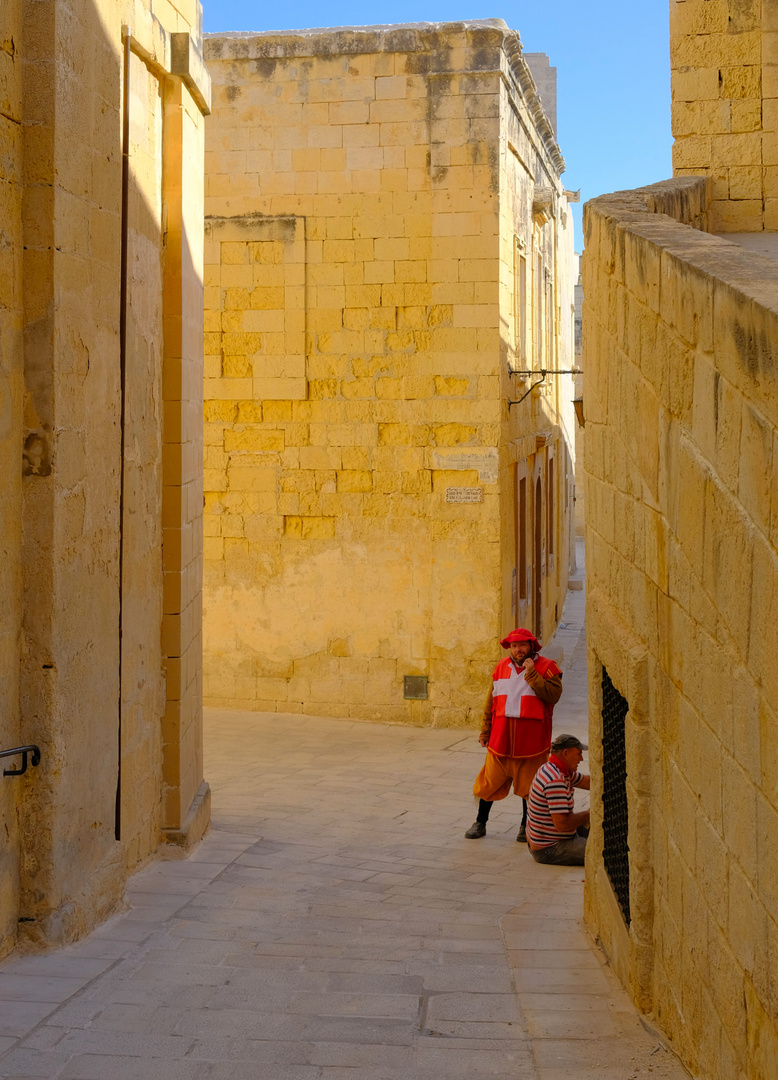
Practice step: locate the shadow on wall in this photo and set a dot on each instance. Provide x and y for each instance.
(61, 868)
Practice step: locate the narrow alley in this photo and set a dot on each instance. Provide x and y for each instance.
(335, 924)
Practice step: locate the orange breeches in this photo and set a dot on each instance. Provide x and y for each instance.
(499, 774)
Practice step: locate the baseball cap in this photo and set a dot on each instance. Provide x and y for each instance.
(566, 742)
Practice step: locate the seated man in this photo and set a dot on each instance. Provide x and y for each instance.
(553, 824)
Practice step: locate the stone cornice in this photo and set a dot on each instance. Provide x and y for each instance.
(334, 40)
(529, 91)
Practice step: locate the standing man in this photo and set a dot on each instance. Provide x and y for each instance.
(516, 728)
(553, 824)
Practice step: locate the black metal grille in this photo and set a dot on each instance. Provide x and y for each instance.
(614, 792)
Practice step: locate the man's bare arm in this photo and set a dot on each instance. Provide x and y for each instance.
(567, 823)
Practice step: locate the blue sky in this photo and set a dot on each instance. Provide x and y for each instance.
(611, 56)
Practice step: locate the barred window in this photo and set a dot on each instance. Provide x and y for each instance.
(614, 792)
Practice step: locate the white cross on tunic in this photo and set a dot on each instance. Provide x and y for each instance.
(515, 687)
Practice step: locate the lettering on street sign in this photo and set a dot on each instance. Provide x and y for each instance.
(464, 495)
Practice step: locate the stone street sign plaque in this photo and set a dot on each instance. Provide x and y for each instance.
(464, 495)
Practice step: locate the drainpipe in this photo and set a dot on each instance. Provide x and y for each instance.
(125, 229)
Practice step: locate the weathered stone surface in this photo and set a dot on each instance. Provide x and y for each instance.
(364, 240)
(75, 561)
(682, 580)
(11, 405)
(725, 105)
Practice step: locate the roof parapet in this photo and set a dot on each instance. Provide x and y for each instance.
(399, 37)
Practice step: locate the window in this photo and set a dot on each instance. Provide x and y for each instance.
(538, 359)
(520, 307)
(615, 811)
(550, 507)
(549, 324)
(523, 538)
(538, 560)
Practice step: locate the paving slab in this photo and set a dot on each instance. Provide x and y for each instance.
(15, 986)
(19, 1017)
(118, 1067)
(335, 924)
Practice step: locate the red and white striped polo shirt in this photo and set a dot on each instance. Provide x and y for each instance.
(551, 793)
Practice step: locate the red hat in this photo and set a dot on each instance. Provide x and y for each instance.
(521, 635)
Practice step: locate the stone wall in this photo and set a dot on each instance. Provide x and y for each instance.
(360, 253)
(724, 56)
(11, 389)
(102, 580)
(680, 329)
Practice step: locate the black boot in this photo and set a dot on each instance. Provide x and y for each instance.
(478, 828)
(522, 834)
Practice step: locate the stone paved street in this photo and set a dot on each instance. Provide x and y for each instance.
(336, 925)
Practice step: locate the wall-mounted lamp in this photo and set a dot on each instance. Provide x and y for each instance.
(579, 413)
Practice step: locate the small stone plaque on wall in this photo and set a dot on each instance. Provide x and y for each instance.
(464, 494)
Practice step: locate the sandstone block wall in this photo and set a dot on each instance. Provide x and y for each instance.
(11, 390)
(680, 330)
(724, 56)
(90, 574)
(359, 321)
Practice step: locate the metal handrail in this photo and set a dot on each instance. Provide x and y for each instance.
(31, 748)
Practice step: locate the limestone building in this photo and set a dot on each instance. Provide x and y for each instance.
(100, 450)
(680, 331)
(387, 239)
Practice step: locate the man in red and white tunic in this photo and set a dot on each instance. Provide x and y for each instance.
(516, 728)
(553, 827)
